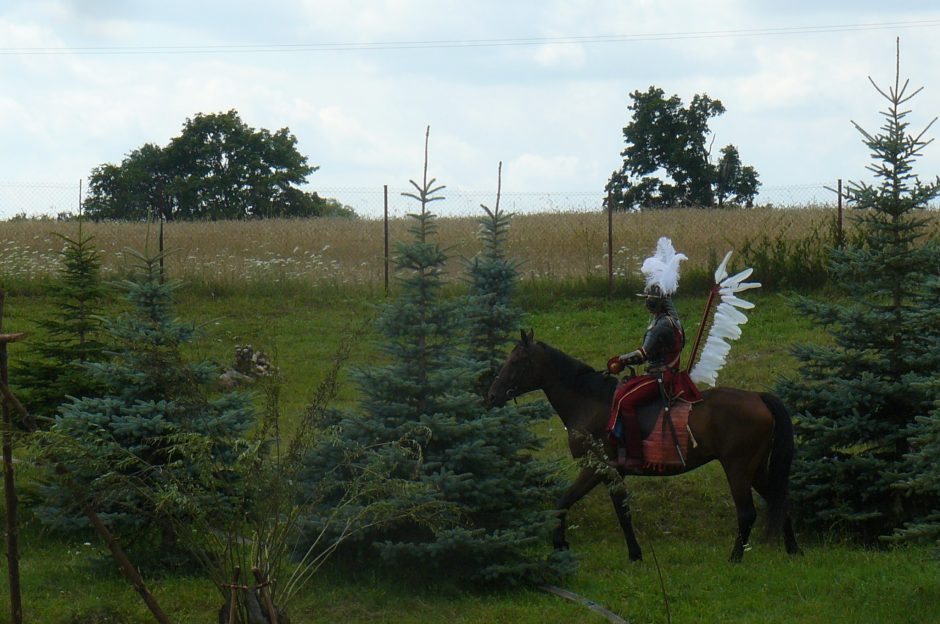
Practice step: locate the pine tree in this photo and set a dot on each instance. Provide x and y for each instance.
(863, 394)
(493, 318)
(71, 336)
(922, 479)
(465, 458)
(118, 444)
(520, 484)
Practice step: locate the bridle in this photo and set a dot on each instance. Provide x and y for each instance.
(511, 382)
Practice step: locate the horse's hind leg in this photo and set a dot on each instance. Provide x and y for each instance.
(789, 537)
(586, 480)
(618, 497)
(744, 504)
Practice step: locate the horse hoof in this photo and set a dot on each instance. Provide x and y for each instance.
(562, 546)
(637, 558)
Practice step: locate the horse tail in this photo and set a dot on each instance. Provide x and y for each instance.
(778, 469)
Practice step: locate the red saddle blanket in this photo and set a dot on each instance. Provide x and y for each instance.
(659, 447)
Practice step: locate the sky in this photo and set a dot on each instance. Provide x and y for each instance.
(541, 86)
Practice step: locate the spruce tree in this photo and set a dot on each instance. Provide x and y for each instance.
(118, 445)
(493, 317)
(70, 337)
(465, 458)
(922, 480)
(521, 484)
(865, 393)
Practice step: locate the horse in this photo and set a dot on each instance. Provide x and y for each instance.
(749, 433)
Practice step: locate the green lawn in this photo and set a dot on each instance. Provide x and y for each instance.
(687, 522)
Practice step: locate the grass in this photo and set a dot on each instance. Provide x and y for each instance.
(688, 521)
(336, 253)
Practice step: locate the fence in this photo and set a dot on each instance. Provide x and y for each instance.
(58, 199)
(554, 236)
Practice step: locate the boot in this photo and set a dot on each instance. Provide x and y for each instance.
(621, 461)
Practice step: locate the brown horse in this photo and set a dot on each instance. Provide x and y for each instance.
(749, 433)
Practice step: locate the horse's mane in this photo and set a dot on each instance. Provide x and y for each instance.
(578, 376)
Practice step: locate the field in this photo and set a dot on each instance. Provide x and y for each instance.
(685, 524)
(228, 255)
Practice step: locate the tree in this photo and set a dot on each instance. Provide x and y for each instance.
(493, 318)
(465, 459)
(117, 444)
(72, 333)
(517, 484)
(666, 161)
(865, 396)
(217, 168)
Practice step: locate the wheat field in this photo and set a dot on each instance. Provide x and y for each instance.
(334, 251)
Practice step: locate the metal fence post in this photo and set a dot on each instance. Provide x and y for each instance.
(839, 231)
(386, 240)
(610, 244)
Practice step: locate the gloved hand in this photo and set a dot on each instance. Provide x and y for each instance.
(614, 365)
(634, 357)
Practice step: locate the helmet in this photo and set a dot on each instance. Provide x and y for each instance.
(655, 299)
(652, 291)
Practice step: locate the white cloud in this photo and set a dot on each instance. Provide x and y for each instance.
(553, 113)
(570, 56)
(530, 172)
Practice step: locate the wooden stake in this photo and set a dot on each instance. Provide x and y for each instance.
(266, 595)
(234, 597)
(9, 486)
(130, 572)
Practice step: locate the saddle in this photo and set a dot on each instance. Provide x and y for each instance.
(659, 446)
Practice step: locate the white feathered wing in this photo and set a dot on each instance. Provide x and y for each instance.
(726, 325)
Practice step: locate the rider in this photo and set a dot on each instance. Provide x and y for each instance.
(662, 346)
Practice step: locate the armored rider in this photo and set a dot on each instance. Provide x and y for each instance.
(661, 350)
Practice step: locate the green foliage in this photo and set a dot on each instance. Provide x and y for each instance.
(688, 519)
(866, 395)
(119, 445)
(493, 316)
(664, 136)
(476, 463)
(784, 262)
(70, 337)
(217, 168)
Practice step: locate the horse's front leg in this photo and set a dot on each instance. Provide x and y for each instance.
(586, 480)
(618, 497)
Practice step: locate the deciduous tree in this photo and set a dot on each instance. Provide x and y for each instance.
(217, 168)
(667, 157)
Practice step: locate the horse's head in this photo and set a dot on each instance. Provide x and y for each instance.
(520, 373)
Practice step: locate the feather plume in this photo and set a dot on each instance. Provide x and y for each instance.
(662, 268)
(726, 323)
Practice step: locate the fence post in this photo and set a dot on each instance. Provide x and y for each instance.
(610, 244)
(839, 232)
(9, 488)
(162, 210)
(386, 240)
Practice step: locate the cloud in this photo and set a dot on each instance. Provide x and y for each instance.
(532, 171)
(556, 55)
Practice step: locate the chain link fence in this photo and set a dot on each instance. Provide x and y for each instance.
(553, 236)
(57, 200)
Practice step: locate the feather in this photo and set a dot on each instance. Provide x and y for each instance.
(662, 268)
(720, 272)
(726, 323)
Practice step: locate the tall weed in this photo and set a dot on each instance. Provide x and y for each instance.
(784, 262)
